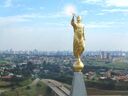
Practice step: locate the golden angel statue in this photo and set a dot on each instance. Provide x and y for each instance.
(79, 42)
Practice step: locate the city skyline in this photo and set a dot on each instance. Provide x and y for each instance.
(45, 25)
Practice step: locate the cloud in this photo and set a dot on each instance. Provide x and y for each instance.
(16, 18)
(42, 8)
(117, 3)
(101, 13)
(108, 3)
(84, 12)
(23, 18)
(11, 19)
(99, 25)
(113, 10)
(7, 20)
(8, 3)
(54, 15)
(91, 1)
(106, 41)
(27, 17)
(125, 11)
(108, 24)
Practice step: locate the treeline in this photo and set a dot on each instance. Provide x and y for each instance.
(108, 85)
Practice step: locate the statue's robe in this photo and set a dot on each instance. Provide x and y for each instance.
(79, 41)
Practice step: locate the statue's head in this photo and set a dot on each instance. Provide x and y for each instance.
(78, 19)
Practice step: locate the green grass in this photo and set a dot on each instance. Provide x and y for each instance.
(25, 82)
(4, 83)
(99, 92)
(116, 65)
(3, 62)
(35, 90)
(94, 91)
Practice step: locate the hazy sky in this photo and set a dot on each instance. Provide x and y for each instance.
(45, 24)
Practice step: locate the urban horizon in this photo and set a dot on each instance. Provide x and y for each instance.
(63, 50)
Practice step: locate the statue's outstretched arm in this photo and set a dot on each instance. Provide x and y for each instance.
(73, 21)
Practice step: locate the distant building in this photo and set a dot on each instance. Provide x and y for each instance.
(105, 55)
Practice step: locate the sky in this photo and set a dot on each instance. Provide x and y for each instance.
(45, 24)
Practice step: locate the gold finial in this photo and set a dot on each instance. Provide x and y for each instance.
(78, 43)
(78, 66)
